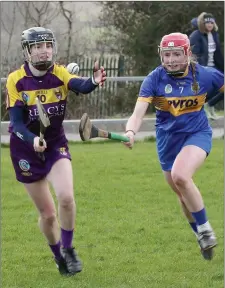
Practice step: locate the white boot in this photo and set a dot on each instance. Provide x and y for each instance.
(210, 111)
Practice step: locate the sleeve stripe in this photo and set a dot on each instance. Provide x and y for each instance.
(222, 89)
(145, 99)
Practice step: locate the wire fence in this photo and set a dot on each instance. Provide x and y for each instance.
(115, 99)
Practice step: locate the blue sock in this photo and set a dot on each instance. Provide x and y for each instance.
(200, 217)
(194, 226)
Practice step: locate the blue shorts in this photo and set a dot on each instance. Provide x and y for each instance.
(169, 145)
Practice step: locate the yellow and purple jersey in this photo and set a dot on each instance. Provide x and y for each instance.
(179, 106)
(51, 89)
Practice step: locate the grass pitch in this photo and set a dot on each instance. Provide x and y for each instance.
(130, 232)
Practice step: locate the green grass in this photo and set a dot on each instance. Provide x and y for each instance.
(130, 232)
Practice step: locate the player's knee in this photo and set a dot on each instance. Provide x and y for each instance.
(67, 202)
(48, 217)
(179, 179)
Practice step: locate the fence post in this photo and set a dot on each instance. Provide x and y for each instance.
(121, 66)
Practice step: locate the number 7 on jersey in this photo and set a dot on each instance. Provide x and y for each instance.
(181, 89)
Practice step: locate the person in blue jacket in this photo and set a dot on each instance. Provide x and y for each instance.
(206, 49)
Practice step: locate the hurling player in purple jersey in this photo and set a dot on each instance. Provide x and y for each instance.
(41, 77)
(178, 89)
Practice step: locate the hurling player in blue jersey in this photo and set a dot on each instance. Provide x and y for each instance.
(41, 77)
(178, 89)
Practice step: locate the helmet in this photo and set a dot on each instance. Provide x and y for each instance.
(175, 41)
(36, 35)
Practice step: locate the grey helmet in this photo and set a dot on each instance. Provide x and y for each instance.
(34, 36)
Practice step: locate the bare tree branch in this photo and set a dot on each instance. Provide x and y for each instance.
(69, 16)
(12, 27)
(37, 21)
(48, 17)
(23, 8)
(4, 26)
(41, 11)
(38, 13)
(19, 8)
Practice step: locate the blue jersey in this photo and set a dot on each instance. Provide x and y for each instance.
(179, 108)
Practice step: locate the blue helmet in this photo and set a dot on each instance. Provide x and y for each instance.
(33, 36)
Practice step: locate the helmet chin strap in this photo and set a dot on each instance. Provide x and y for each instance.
(35, 71)
(42, 66)
(175, 73)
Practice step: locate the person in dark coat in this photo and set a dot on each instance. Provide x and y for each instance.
(206, 49)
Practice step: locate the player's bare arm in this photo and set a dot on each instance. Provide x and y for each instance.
(135, 121)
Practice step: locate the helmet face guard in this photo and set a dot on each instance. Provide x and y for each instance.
(31, 39)
(173, 43)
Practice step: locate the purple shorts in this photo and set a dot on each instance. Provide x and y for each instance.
(28, 166)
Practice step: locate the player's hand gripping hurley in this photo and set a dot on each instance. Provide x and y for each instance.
(88, 131)
(44, 123)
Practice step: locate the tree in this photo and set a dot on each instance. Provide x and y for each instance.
(37, 13)
(141, 25)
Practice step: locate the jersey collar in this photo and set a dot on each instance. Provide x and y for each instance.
(28, 72)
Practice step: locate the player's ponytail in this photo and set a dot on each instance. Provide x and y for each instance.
(195, 85)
